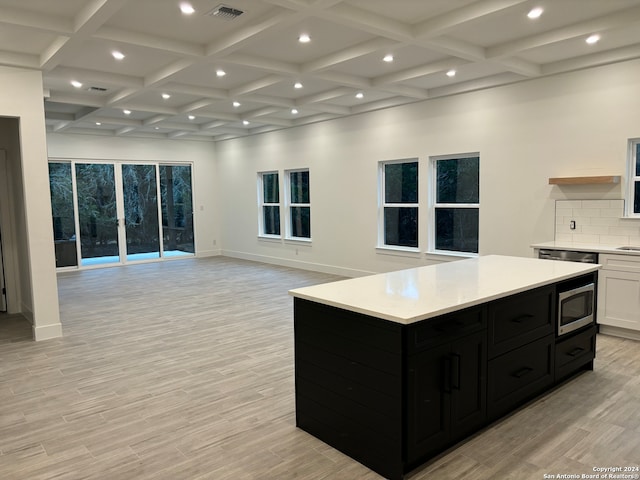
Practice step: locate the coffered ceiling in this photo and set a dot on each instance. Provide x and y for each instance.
(341, 70)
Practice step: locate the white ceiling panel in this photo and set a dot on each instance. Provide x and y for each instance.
(487, 42)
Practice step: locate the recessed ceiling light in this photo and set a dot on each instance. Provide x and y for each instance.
(236, 104)
(220, 73)
(117, 55)
(359, 95)
(388, 58)
(157, 128)
(535, 13)
(245, 122)
(76, 83)
(126, 112)
(593, 39)
(187, 8)
(98, 123)
(294, 111)
(304, 38)
(451, 73)
(191, 117)
(166, 96)
(297, 85)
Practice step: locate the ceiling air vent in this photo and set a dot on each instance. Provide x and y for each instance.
(97, 89)
(225, 12)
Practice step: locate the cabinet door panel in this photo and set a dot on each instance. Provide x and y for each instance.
(619, 299)
(428, 394)
(469, 384)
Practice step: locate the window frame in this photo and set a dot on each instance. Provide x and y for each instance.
(289, 205)
(632, 178)
(382, 204)
(262, 204)
(434, 205)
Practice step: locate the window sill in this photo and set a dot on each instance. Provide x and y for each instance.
(305, 241)
(441, 256)
(270, 238)
(399, 251)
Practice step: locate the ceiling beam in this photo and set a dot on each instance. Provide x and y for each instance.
(85, 23)
(454, 18)
(617, 19)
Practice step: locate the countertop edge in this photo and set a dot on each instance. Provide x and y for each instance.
(588, 268)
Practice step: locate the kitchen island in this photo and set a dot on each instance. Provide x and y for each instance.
(392, 369)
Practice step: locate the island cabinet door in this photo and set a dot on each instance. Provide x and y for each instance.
(446, 391)
(468, 385)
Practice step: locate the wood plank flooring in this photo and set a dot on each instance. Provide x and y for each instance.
(183, 370)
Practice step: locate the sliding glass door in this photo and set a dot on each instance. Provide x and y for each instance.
(97, 213)
(177, 210)
(116, 212)
(140, 197)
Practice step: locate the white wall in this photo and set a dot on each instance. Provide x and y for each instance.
(201, 154)
(565, 125)
(25, 143)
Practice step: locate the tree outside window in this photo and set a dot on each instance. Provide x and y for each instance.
(400, 203)
(457, 203)
(299, 204)
(269, 203)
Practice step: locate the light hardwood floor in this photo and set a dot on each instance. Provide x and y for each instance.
(183, 370)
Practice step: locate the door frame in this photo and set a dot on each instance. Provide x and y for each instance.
(9, 252)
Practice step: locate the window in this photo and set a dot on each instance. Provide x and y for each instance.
(399, 213)
(633, 192)
(456, 205)
(269, 203)
(299, 205)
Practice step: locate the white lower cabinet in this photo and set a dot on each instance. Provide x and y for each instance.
(619, 291)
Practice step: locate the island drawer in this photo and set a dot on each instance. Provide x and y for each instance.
(575, 351)
(519, 375)
(519, 319)
(443, 329)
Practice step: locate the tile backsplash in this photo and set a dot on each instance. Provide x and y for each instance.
(596, 221)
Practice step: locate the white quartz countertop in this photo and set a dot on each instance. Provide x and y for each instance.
(585, 247)
(408, 296)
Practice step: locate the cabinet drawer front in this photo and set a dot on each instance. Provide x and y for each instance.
(621, 263)
(446, 328)
(575, 352)
(520, 319)
(519, 375)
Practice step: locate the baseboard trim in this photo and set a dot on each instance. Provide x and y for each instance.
(208, 253)
(619, 332)
(47, 332)
(285, 262)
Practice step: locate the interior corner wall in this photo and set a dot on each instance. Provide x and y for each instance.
(25, 142)
(200, 154)
(569, 124)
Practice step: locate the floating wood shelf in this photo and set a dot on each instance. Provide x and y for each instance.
(603, 179)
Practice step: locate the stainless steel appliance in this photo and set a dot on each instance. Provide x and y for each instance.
(575, 308)
(576, 299)
(568, 255)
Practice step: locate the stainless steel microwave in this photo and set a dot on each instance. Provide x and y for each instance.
(575, 308)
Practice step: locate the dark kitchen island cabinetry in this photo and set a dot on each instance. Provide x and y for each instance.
(392, 369)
